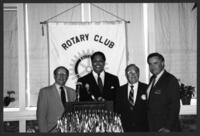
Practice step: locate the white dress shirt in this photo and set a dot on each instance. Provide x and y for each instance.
(102, 76)
(135, 88)
(59, 91)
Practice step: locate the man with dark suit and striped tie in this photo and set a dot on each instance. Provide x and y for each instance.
(52, 99)
(131, 102)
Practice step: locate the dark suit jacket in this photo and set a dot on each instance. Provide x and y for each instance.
(50, 107)
(164, 104)
(111, 83)
(134, 118)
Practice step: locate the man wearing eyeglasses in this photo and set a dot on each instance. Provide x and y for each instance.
(52, 100)
(131, 102)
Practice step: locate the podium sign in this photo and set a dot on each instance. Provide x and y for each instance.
(76, 106)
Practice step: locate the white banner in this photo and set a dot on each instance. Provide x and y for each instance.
(71, 44)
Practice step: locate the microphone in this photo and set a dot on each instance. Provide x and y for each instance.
(87, 87)
(78, 86)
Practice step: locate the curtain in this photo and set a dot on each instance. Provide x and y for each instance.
(38, 48)
(176, 39)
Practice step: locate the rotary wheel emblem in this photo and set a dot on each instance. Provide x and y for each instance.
(81, 64)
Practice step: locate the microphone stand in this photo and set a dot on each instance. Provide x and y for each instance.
(77, 93)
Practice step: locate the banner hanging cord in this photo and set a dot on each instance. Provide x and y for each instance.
(44, 22)
(110, 13)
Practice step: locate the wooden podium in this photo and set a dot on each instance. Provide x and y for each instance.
(76, 106)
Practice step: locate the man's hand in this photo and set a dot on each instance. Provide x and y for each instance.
(101, 99)
(164, 130)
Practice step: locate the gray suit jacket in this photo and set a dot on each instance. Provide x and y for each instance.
(49, 106)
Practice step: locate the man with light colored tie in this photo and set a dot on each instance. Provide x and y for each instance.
(131, 102)
(52, 99)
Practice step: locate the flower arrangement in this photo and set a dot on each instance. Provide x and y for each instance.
(186, 93)
(8, 99)
(90, 121)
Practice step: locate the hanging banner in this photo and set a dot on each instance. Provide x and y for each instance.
(71, 44)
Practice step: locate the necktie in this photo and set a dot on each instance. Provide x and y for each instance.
(63, 98)
(100, 84)
(153, 81)
(131, 96)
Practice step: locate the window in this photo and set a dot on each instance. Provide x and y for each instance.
(10, 30)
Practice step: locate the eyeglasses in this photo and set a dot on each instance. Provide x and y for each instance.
(59, 74)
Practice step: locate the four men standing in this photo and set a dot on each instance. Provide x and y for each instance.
(153, 107)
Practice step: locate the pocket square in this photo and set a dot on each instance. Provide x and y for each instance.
(157, 92)
(143, 97)
(112, 87)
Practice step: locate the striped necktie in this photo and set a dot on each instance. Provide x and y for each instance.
(131, 96)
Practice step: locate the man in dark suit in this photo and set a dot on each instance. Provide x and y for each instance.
(163, 97)
(52, 99)
(98, 85)
(131, 102)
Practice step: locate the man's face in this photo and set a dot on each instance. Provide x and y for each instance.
(61, 77)
(98, 64)
(156, 65)
(132, 75)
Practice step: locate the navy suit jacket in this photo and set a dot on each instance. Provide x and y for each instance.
(164, 104)
(134, 118)
(111, 83)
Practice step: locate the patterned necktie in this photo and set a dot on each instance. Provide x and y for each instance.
(131, 96)
(100, 84)
(63, 98)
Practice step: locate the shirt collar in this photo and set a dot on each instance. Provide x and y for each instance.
(160, 74)
(58, 87)
(135, 84)
(96, 75)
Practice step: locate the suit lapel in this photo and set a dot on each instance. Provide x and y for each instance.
(126, 94)
(93, 80)
(67, 91)
(105, 84)
(160, 80)
(159, 83)
(139, 92)
(57, 96)
(94, 86)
